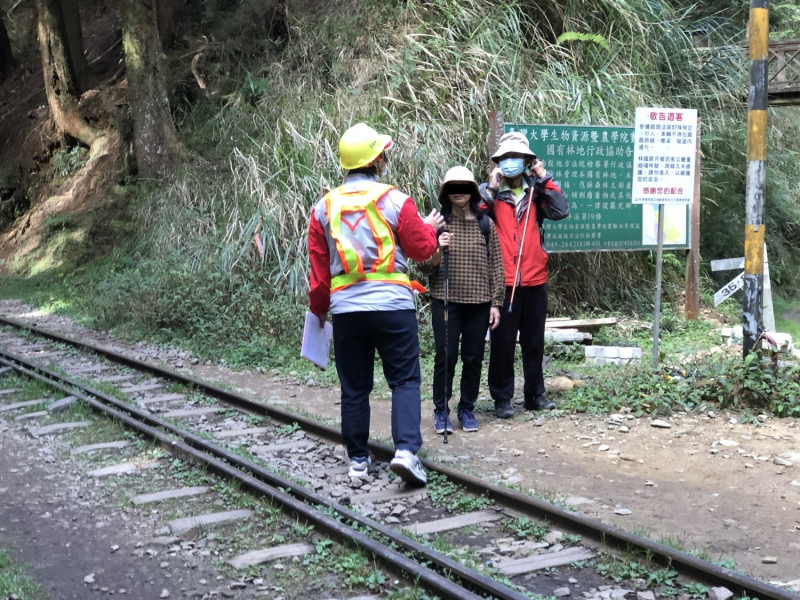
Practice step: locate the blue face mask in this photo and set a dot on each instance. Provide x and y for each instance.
(512, 167)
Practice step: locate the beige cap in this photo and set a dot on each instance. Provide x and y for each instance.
(513, 142)
(457, 174)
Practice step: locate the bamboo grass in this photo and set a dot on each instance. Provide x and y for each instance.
(428, 73)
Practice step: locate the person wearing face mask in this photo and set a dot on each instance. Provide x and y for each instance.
(519, 196)
(467, 294)
(360, 237)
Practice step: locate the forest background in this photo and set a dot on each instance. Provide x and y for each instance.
(144, 146)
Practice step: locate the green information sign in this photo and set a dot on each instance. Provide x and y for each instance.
(594, 167)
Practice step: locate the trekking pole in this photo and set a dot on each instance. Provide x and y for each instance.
(446, 259)
(519, 255)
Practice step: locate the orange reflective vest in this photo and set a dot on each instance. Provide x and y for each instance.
(339, 203)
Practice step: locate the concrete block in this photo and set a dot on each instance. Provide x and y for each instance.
(181, 526)
(602, 355)
(626, 353)
(62, 405)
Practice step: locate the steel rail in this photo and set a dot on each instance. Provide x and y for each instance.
(603, 533)
(301, 500)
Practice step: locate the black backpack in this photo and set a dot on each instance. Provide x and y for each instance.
(483, 223)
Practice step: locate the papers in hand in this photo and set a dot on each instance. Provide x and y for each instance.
(316, 341)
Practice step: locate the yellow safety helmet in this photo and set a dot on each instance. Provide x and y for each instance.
(360, 146)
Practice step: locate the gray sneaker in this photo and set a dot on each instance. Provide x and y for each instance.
(359, 466)
(407, 466)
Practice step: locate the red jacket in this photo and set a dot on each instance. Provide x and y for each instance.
(549, 202)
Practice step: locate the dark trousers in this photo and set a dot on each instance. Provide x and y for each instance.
(466, 323)
(393, 333)
(528, 318)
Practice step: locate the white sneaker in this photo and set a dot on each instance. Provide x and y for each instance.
(406, 464)
(359, 466)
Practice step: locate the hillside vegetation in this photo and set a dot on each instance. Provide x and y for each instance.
(261, 91)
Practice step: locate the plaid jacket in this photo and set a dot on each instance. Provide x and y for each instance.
(474, 276)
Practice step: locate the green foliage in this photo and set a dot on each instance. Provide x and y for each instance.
(353, 563)
(67, 161)
(661, 577)
(690, 375)
(216, 316)
(623, 570)
(720, 379)
(15, 580)
(564, 353)
(451, 497)
(695, 590)
(414, 593)
(526, 529)
(187, 474)
(784, 20)
(13, 203)
(288, 429)
(232, 495)
(30, 389)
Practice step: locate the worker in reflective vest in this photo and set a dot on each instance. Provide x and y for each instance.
(360, 238)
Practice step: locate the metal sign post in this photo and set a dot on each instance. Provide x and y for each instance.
(755, 234)
(693, 258)
(664, 165)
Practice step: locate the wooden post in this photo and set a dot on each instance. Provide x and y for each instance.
(496, 129)
(659, 263)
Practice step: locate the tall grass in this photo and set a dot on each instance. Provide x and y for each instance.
(428, 73)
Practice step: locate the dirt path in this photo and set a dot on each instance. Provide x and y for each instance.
(706, 483)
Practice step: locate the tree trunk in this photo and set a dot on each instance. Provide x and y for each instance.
(155, 141)
(60, 82)
(168, 11)
(211, 9)
(6, 57)
(74, 35)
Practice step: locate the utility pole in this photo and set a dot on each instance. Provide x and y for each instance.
(754, 235)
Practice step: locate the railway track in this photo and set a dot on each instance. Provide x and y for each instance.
(293, 461)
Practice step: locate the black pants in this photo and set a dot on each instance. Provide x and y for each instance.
(393, 333)
(467, 324)
(528, 318)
